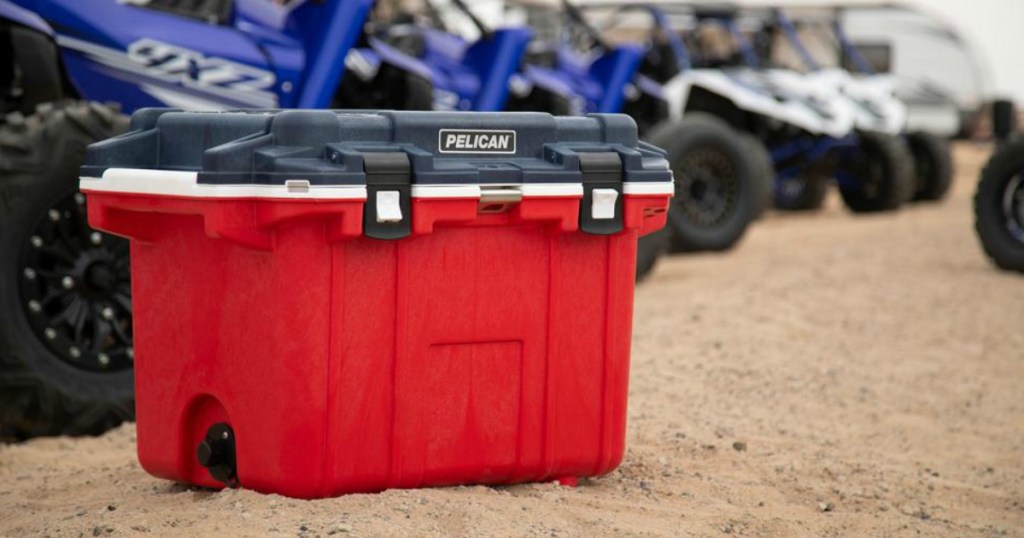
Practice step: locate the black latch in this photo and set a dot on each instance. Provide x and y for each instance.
(388, 195)
(601, 207)
(216, 452)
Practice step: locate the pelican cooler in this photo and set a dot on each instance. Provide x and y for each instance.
(332, 302)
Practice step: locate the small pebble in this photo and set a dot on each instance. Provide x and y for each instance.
(344, 529)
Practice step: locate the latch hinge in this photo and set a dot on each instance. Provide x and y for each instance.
(601, 207)
(388, 195)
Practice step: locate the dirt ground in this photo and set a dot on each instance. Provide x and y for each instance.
(834, 376)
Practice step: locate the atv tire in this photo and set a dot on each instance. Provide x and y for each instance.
(649, 249)
(878, 177)
(718, 190)
(999, 206)
(933, 166)
(765, 169)
(65, 307)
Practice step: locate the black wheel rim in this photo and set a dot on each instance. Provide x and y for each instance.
(707, 188)
(75, 288)
(1013, 206)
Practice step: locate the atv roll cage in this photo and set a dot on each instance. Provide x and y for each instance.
(465, 75)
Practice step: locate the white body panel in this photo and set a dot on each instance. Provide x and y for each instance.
(872, 98)
(786, 96)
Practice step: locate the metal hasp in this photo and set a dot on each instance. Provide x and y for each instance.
(216, 452)
(601, 207)
(388, 191)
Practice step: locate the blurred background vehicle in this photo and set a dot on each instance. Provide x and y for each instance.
(907, 43)
(999, 198)
(839, 69)
(709, 64)
(720, 186)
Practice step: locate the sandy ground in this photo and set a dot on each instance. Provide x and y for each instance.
(834, 376)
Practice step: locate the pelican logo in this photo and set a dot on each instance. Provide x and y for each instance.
(476, 141)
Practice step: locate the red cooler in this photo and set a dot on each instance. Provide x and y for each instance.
(333, 302)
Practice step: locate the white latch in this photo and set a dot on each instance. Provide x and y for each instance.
(603, 204)
(297, 186)
(388, 207)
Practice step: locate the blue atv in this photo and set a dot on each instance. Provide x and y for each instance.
(463, 75)
(68, 71)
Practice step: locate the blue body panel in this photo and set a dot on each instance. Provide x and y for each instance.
(475, 75)
(328, 31)
(600, 80)
(443, 54)
(23, 17)
(265, 56)
(613, 71)
(574, 68)
(495, 59)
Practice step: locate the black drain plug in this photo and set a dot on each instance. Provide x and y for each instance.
(217, 453)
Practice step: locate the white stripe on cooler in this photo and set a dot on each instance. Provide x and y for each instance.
(648, 187)
(184, 184)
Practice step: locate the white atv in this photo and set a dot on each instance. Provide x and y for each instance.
(805, 135)
(869, 96)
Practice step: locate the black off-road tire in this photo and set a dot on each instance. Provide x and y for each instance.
(650, 248)
(999, 206)
(765, 169)
(881, 172)
(718, 191)
(933, 166)
(43, 229)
